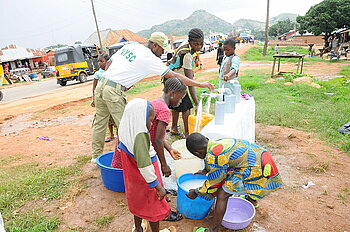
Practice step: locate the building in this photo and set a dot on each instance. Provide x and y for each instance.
(110, 37)
(17, 57)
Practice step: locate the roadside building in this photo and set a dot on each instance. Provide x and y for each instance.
(19, 57)
(110, 37)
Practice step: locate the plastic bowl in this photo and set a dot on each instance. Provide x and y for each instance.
(112, 178)
(239, 213)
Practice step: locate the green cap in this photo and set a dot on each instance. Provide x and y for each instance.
(161, 39)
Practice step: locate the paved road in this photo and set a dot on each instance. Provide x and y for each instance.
(34, 89)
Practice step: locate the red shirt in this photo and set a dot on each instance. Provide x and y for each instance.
(162, 114)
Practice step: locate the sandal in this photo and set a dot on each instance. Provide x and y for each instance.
(174, 217)
(200, 229)
(173, 133)
(108, 139)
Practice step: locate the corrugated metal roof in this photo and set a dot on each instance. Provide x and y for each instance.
(110, 37)
(131, 36)
(14, 52)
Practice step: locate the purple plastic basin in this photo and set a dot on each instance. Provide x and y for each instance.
(239, 213)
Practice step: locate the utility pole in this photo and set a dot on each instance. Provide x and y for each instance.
(98, 31)
(267, 28)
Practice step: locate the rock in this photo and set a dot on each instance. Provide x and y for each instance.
(291, 136)
(330, 206)
(314, 85)
(288, 83)
(270, 80)
(300, 80)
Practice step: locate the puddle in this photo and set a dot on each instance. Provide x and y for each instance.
(21, 122)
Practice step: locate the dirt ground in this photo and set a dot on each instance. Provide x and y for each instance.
(66, 116)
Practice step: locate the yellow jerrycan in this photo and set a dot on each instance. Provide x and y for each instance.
(206, 118)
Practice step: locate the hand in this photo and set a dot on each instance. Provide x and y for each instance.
(175, 154)
(207, 85)
(93, 103)
(201, 172)
(160, 192)
(192, 194)
(225, 78)
(166, 170)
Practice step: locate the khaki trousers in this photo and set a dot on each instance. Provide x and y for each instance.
(110, 102)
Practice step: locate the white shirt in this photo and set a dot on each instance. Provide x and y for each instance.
(132, 63)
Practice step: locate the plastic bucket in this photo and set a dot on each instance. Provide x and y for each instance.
(239, 213)
(188, 162)
(112, 178)
(197, 208)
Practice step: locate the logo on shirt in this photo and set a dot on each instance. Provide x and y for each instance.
(128, 55)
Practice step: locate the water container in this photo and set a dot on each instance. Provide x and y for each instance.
(230, 103)
(219, 112)
(188, 162)
(197, 208)
(112, 178)
(206, 118)
(237, 90)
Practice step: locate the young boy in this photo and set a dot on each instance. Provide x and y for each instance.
(230, 65)
(234, 167)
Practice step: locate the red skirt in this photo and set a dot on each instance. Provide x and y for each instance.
(143, 201)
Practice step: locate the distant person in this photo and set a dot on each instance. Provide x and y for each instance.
(234, 167)
(130, 64)
(230, 65)
(277, 49)
(219, 54)
(183, 62)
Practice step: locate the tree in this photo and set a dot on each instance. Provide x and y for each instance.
(267, 28)
(326, 17)
(281, 27)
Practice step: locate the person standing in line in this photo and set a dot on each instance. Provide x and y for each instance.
(130, 64)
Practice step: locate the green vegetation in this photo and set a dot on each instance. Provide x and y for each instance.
(255, 54)
(321, 111)
(143, 86)
(105, 220)
(24, 189)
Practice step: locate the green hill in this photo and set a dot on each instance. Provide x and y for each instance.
(282, 17)
(200, 19)
(209, 22)
(248, 24)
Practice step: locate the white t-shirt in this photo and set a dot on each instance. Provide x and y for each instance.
(132, 63)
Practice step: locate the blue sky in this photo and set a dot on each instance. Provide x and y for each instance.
(40, 23)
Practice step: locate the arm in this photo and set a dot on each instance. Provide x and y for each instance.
(173, 152)
(189, 74)
(189, 82)
(159, 145)
(94, 84)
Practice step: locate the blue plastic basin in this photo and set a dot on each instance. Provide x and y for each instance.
(197, 208)
(112, 178)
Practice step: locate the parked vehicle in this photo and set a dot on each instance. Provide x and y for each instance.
(50, 71)
(207, 47)
(115, 47)
(75, 62)
(177, 43)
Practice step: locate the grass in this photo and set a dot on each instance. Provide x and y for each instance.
(104, 220)
(255, 54)
(24, 187)
(143, 87)
(300, 106)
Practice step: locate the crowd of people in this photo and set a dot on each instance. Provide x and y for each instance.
(232, 165)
